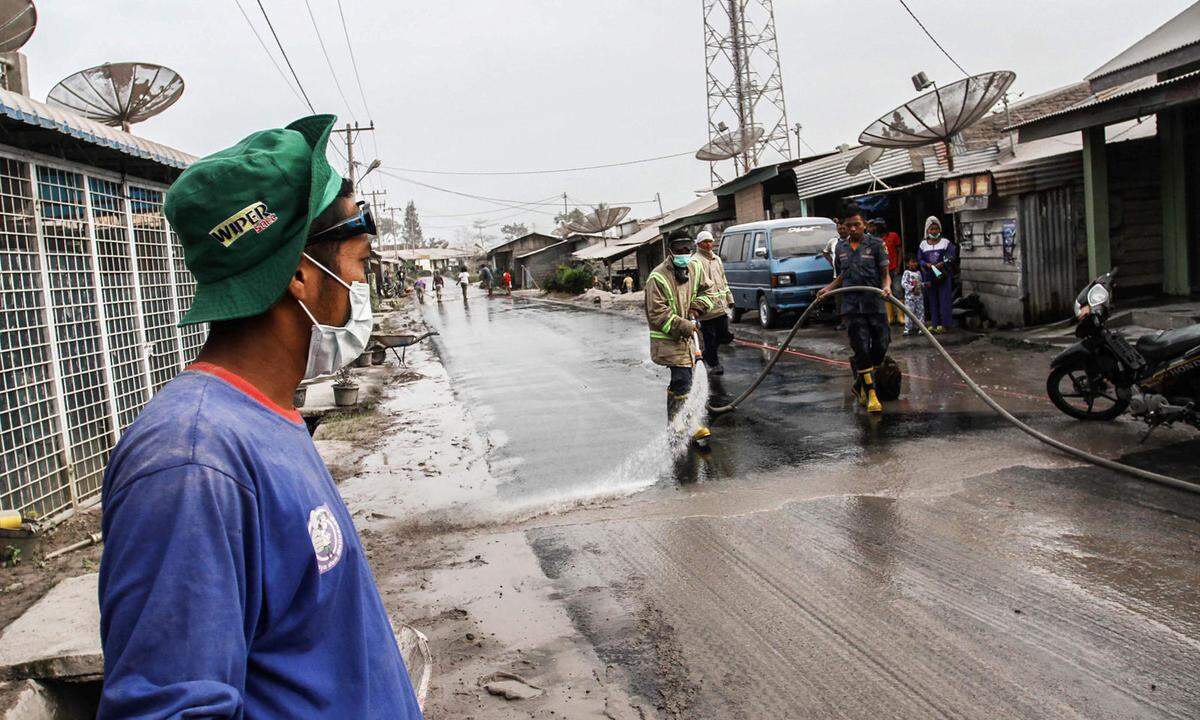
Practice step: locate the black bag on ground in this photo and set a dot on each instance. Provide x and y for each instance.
(888, 379)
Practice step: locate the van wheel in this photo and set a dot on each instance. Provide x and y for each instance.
(736, 313)
(768, 317)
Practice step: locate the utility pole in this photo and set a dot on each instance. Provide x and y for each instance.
(351, 132)
(374, 194)
(658, 197)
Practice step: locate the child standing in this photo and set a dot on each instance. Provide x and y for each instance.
(913, 295)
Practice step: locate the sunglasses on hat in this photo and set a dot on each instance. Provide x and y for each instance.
(358, 224)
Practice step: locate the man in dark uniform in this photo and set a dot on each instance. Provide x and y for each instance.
(862, 259)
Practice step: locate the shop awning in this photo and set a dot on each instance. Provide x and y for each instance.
(705, 218)
(1139, 101)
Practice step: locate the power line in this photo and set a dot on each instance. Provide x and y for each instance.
(931, 37)
(285, 56)
(492, 210)
(512, 204)
(332, 72)
(354, 62)
(543, 172)
(267, 50)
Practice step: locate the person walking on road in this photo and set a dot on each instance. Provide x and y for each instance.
(439, 283)
(419, 286)
(464, 280)
(507, 283)
(936, 254)
(891, 241)
(862, 259)
(675, 297)
(233, 583)
(714, 323)
(486, 277)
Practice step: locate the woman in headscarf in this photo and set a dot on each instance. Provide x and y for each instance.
(935, 256)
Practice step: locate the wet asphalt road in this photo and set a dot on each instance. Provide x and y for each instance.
(822, 563)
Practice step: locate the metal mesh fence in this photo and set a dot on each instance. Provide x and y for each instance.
(92, 284)
(157, 284)
(31, 461)
(191, 336)
(76, 318)
(118, 285)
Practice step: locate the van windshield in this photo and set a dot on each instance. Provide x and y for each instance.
(801, 239)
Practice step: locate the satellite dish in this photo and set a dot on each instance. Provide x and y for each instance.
(730, 144)
(864, 160)
(939, 114)
(599, 220)
(18, 18)
(119, 94)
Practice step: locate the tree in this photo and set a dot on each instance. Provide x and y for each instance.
(388, 228)
(413, 237)
(512, 231)
(574, 215)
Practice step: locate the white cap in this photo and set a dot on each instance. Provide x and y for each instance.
(702, 236)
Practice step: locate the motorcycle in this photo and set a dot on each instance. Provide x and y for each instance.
(1157, 379)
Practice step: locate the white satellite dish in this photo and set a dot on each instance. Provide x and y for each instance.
(18, 19)
(939, 114)
(599, 220)
(730, 144)
(119, 94)
(863, 160)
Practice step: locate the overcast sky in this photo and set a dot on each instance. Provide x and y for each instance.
(531, 84)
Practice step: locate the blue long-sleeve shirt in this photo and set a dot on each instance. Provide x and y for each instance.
(233, 583)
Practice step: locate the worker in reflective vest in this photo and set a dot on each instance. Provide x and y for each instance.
(675, 298)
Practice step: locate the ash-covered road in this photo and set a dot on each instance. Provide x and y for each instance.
(821, 563)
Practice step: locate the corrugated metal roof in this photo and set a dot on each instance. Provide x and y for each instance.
(1135, 88)
(40, 114)
(828, 174)
(1176, 33)
(647, 234)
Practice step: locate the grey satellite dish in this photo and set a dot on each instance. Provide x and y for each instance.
(119, 94)
(939, 114)
(18, 18)
(864, 160)
(599, 220)
(730, 144)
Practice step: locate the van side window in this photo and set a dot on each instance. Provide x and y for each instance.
(731, 248)
(760, 241)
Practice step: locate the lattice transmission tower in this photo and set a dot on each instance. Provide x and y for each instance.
(745, 83)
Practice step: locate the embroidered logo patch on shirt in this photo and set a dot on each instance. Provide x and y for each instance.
(326, 536)
(254, 216)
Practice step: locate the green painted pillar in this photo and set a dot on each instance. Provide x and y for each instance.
(1095, 201)
(1172, 151)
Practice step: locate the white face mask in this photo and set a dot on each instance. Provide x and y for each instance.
(332, 348)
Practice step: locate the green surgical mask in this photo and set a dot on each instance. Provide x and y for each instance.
(680, 261)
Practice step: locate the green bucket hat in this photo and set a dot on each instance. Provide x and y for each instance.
(242, 215)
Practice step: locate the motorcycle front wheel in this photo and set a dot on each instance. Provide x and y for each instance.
(1083, 395)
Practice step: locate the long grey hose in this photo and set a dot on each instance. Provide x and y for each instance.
(1037, 435)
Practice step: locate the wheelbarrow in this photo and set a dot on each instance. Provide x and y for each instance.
(392, 342)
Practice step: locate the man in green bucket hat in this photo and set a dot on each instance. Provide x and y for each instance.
(233, 583)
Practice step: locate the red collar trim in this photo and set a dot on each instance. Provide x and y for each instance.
(241, 383)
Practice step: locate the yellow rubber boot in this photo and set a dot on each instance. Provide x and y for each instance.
(867, 396)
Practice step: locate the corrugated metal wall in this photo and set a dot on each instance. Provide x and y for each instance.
(91, 288)
(1052, 234)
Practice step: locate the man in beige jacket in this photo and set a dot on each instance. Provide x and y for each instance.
(676, 294)
(714, 324)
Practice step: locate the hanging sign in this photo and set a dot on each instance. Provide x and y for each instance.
(967, 193)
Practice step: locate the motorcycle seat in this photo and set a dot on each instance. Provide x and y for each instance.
(1169, 343)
